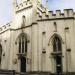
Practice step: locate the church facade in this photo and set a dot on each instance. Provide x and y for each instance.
(37, 39)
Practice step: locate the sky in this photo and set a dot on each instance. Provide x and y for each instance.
(6, 8)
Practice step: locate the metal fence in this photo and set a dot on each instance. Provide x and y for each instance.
(13, 72)
(7, 72)
(66, 73)
(34, 73)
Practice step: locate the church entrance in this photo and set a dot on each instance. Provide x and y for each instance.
(58, 60)
(23, 64)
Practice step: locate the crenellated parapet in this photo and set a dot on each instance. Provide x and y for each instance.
(68, 13)
(45, 15)
(24, 5)
(5, 27)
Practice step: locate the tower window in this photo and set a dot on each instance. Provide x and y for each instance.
(23, 21)
(55, 27)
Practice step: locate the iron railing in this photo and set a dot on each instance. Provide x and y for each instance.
(13, 72)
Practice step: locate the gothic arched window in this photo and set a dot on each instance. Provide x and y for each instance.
(56, 44)
(22, 51)
(57, 48)
(23, 44)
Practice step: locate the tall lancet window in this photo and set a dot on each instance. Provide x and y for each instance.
(23, 44)
(56, 44)
(57, 54)
(23, 52)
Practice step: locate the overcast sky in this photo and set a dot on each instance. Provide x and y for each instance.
(6, 8)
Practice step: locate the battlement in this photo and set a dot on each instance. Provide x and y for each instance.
(44, 15)
(23, 5)
(68, 13)
(5, 27)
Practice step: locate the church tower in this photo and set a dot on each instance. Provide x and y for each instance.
(25, 21)
(27, 8)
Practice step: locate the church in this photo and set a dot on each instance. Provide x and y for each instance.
(38, 39)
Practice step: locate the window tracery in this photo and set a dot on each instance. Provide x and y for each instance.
(56, 44)
(23, 44)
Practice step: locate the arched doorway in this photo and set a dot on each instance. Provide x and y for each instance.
(23, 64)
(57, 54)
(22, 52)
